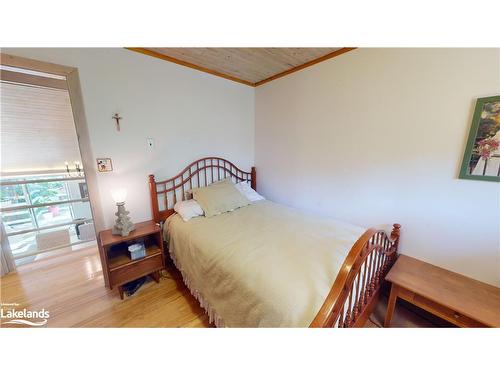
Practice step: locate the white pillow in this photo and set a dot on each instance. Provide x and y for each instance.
(188, 209)
(249, 193)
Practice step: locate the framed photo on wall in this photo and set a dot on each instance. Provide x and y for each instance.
(104, 165)
(482, 154)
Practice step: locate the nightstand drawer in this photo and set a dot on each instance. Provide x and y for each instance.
(135, 270)
(438, 309)
(445, 312)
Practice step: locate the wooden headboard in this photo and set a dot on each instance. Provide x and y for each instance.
(202, 172)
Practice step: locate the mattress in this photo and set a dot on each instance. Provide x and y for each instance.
(263, 265)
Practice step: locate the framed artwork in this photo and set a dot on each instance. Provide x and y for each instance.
(104, 165)
(482, 154)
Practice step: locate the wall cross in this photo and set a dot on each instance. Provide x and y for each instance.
(117, 118)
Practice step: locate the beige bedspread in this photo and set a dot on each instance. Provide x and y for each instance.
(263, 265)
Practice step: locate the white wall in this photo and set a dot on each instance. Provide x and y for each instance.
(189, 114)
(376, 136)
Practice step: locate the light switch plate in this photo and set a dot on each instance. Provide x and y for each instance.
(151, 143)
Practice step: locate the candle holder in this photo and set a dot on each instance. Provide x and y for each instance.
(78, 169)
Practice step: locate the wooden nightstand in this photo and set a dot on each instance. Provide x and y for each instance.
(118, 268)
(460, 300)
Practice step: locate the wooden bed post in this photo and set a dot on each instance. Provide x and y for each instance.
(154, 198)
(395, 234)
(253, 174)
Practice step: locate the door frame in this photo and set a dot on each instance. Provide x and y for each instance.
(82, 131)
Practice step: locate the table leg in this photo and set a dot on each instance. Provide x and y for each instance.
(391, 305)
(120, 289)
(156, 276)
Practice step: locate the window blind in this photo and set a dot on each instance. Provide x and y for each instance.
(37, 130)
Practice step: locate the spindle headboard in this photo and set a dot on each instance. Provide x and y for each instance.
(202, 172)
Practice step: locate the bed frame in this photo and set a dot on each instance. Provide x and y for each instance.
(356, 289)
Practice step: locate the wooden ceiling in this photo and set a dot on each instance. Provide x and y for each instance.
(250, 66)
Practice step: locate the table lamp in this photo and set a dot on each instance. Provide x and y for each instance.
(123, 225)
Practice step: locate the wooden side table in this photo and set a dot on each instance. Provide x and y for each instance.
(455, 298)
(117, 266)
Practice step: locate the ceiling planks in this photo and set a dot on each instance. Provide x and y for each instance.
(294, 69)
(250, 66)
(152, 53)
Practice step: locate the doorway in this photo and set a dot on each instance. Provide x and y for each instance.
(45, 206)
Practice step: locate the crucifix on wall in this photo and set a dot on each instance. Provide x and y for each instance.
(117, 118)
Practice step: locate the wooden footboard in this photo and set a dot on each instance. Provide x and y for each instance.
(357, 286)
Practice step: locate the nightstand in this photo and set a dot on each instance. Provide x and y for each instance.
(460, 300)
(118, 268)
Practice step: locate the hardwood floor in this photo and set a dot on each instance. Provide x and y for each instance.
(71, 288)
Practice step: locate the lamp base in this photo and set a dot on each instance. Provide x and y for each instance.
(122, 231)
(123, 225)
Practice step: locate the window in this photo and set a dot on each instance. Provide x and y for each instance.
(38, 204)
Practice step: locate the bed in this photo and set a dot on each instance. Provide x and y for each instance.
(268, 265)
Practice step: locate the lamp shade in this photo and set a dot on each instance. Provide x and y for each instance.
(119, 195)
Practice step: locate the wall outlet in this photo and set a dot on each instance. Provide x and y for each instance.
(151, 143)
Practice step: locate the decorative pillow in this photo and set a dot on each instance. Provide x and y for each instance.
(245, 189)
(226, 180)
(188, 209)
(188, 194)
(218, 198)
